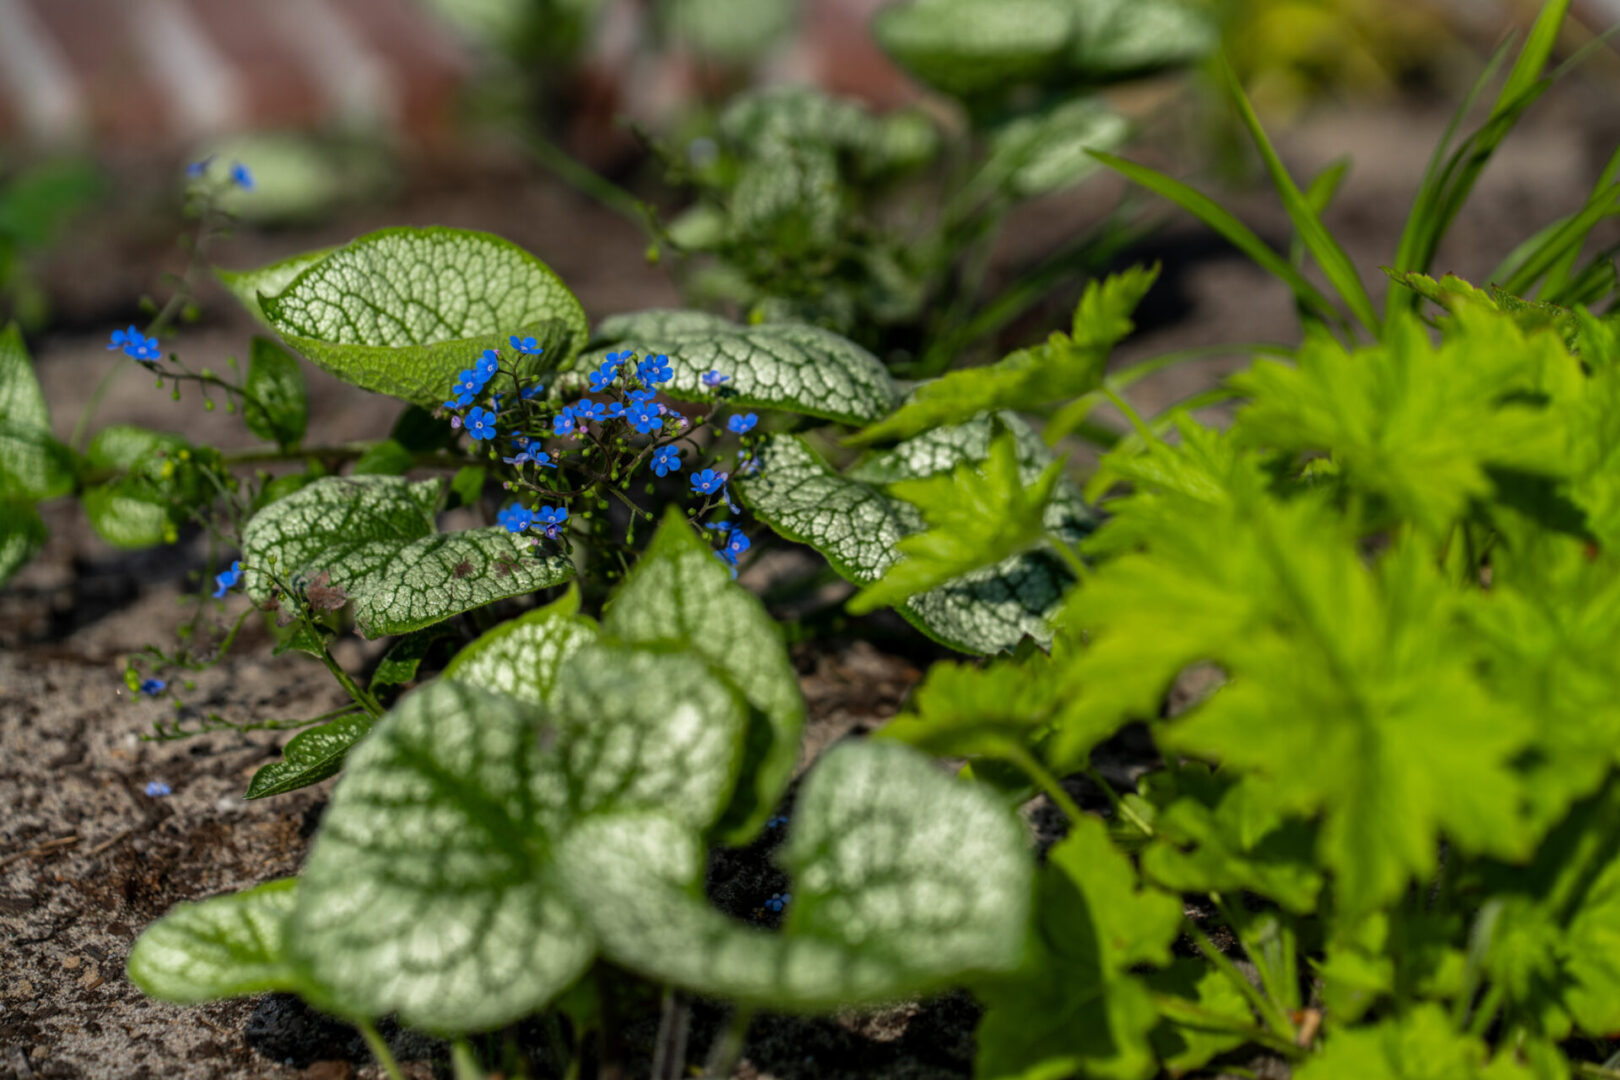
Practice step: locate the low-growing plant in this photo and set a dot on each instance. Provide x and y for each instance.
(1379, 843)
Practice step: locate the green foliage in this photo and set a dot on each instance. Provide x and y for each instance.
(369, 541)
(157, 481)
(33, 465)
(310, 756)
(975, 518)
(1063, 367)
(224, 947)
(277, 405)
(400, 311)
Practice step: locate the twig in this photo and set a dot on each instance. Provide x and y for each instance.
(117, 838)
(47, 848)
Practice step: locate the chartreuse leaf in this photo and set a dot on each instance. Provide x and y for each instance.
(276, 407)
(1352, 691)
(522, 657)
(856, 527)
(1213, 835)
(401, 311)
(425, 892)
(1418, 1044)
(965, 711)
(226, 947)
(33, 465)
(310, 756)
(1076, 1008)
(1190, 1043)
(975, 518)
(678, 593)
(802, 369)
(1063, 367)
(1414, 422)
(372, 536)
(22, 534)
(903, 880)
(269, 280)
(1594, 453)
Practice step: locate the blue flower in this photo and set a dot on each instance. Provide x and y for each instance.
(616, 410)
(747, 464)
(156, 789)
(563, 422)
(665, 460)
(197, 169)
(777, 822)
(515, 518)
(481, 424)
(641, 397)
(644, 417)
(654, 370)
(603, 377)
(153, 687)
(592, 411)
(550, 519)
(487, 366)
(532, 391)
(713, 379)
(736, 544)
(136, 345)
(778, 901)
(241, 177)
(228, 579)
(708, 481)
(528, 346)
(742, 425)
(469, 384)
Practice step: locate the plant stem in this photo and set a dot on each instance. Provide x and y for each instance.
(379, 1050)
(1044, 780)
(361, 697)
(1596, 1072)
(1257, 1001)
(728, 1048)
(1069, 556)
(1130, 413)
(1120, 808)
(1175, 1008)
(464, 1062)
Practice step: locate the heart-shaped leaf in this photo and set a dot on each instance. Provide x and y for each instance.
(401, 311)
(310, 756)
(1043, 152)
(425, 893)
(372, 537)
(248, 285)
(522, 657)
(802, 369)
(968, 47)
(33, 465)
(225, 947)
(22, 534)
(856, 527)
(1118, 38)
(904, 880)
(643, 730)
(678, 593)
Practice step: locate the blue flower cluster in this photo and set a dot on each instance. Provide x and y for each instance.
(240, 176)
(778, 901)
(156, 789)
(153, 687)
(136, 345)
(548, 519)
(228, 579)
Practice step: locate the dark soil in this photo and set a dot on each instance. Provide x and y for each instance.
(87, 859)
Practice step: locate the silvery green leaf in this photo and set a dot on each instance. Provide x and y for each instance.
(970, 47)
(735, 30)
(159, 482)
(248, 285)
(372, 536)
(277, 405)
(643, 730)
(799, 368)
(225, 947)
(398, 665)
(903, 880)
(1117, 38)
(425, 892)
(522, 657)
(679, 593)
(856, 526)
(789, 197)
(310, 756)
(757, 121)
(1045, 152)
(33, 465)
(401, 311)
(22, 534)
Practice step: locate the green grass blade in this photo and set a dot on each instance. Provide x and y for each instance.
(1558, 275)
(1319, 194)
(1565, 240)
(1218, 218)
(1327, 252)
(1538, 48)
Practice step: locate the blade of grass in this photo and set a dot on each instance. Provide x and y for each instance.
(1568, 237)
(1319, 193)
(1326, 250)
(1558, 276)
(1222, 221)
